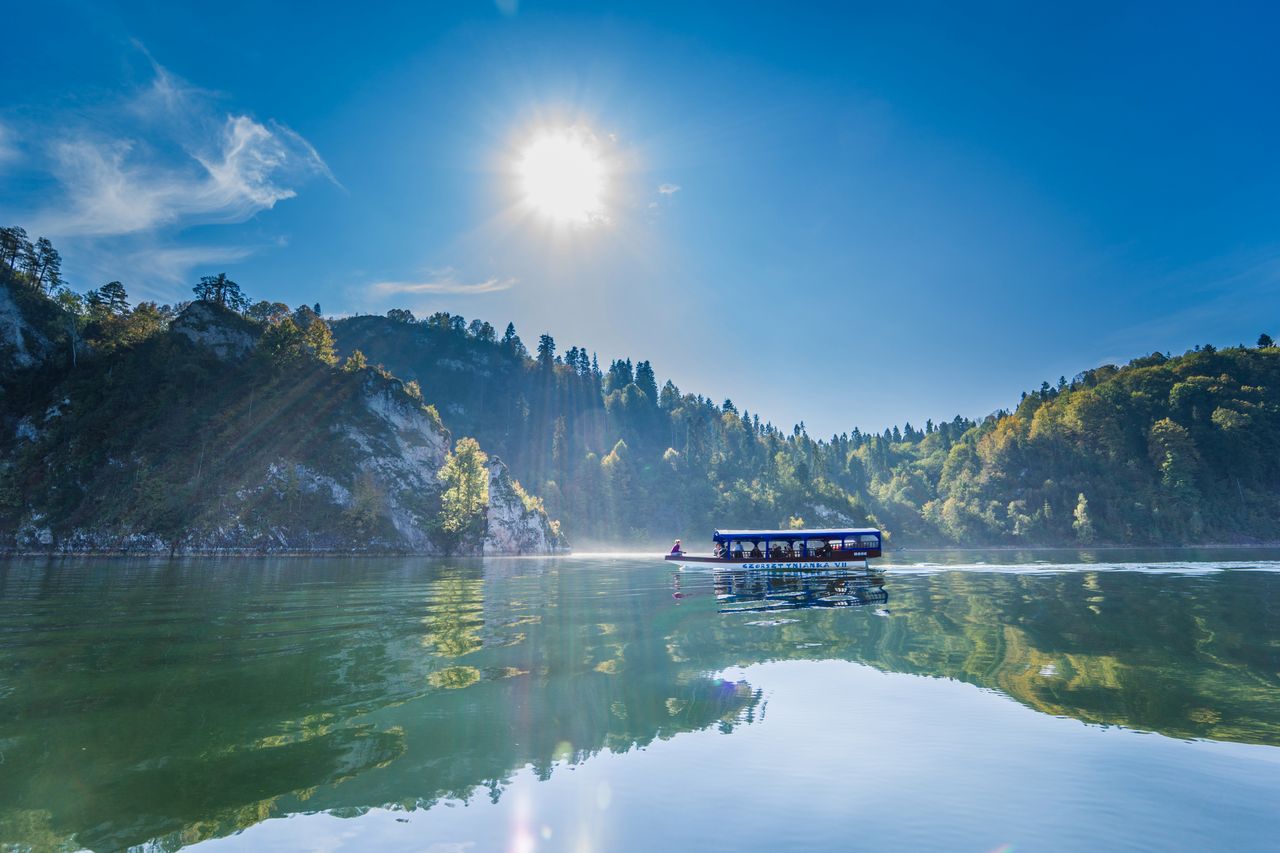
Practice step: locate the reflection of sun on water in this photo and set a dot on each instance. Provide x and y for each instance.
(563, 176)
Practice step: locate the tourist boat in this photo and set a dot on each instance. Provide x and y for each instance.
(787, 550)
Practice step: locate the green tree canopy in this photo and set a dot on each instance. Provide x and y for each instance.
(222, 290)
(465, 477)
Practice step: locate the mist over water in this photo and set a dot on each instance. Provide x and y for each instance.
(963, 700)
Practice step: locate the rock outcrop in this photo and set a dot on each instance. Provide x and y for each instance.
(219, 330)
(515, 523)
(187, 445)
(21, 344)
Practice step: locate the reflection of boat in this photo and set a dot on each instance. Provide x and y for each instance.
(755, 591)
(787, 550)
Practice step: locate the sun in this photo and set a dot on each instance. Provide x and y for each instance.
(563, 176)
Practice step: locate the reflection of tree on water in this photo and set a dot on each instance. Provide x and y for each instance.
(743, 591)
(738, 592)
(174, 703)
(1186, 657)
(323, 686)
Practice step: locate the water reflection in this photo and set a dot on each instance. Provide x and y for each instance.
(741, 591)
(165, 703)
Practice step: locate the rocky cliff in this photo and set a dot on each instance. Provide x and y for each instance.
(22, 344)
(200, 441)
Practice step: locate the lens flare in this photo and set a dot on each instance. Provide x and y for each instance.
(563, 176)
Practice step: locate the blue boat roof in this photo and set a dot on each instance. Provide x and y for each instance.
(832, 533)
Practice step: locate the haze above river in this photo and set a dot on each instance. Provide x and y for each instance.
(1046, 700)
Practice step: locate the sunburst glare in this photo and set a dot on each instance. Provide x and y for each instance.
(564, 176)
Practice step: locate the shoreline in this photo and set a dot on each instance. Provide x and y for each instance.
(247, 554)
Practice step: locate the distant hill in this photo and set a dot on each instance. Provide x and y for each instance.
(226, 425)
(1163, 450)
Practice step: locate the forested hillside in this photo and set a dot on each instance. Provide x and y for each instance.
(219, 415)
(1163, 450)
(217, 426)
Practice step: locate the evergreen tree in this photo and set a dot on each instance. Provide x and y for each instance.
(1265, 341)
(512, 344)
(669, 399)
(43, 264)
(114, 297)
(546, 351)
(13, 246)
(222, 290)
(646, 381)
(620, 375)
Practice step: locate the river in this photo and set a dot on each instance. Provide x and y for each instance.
(1117, 700)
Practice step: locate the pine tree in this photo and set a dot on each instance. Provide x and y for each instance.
(222, 290)
(646, 381)
(114, 297)
(512, 344)
(43, 264)
(13, 245)
(546, 351)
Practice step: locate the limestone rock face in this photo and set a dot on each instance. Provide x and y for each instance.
(402, 449)
(217, 329)
(21, 345)
(514, 522)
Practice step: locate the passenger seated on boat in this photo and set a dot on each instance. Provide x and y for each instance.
(755, 551)
(737, 551)
(823, 550)
(775, 553)
(675, 549)
(718, 551)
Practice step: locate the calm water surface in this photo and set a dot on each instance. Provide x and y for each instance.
(970, 701)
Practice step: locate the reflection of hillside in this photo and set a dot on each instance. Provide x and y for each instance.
(318, 686)
(1110, 648)
(173, 703)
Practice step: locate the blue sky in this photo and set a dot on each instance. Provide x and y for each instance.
(873, 213)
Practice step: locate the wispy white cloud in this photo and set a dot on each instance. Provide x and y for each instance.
(181, 162)
(133, 171)
(443, 281)
(108, 191)
(668, 189)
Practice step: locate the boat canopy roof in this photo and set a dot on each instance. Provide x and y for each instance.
(833, 533)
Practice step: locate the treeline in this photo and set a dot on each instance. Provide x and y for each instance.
(1165, 449)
